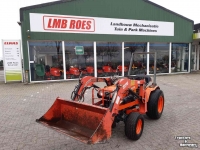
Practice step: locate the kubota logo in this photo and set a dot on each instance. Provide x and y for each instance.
(10, 43)
(68, 24)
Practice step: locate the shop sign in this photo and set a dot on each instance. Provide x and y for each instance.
(97, 25)
(12, 60)
(79, 50)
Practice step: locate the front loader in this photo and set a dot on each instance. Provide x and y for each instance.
(124, 99)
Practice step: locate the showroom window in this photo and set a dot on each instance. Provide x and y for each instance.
(162, 62)
(193, 58)
(46, 60)
(109, 58)
(140, 60)
(79, 58)
(179, 57)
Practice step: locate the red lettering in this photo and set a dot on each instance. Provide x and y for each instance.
(78, 24)
(56, 23)
(49, 23)
(72, 24)
(83, 24)
(64, 24)
(88, 25)
(10, 43)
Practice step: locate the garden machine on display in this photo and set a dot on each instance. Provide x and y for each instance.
(124, 99)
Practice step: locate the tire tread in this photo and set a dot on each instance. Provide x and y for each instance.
(152, 111)
(130, 126)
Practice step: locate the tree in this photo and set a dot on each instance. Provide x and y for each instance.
(58, 44)
(88, 53)
(113, 50)
(102, 51)
(137, 48)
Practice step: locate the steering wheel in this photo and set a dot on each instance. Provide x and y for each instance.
(113, 79)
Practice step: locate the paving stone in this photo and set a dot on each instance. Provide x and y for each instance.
(22, 104)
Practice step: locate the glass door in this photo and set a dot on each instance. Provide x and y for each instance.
(179, 57)
(45, 60)
(193, 58)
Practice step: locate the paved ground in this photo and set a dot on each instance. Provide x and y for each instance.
(21, 104)
(1, 75)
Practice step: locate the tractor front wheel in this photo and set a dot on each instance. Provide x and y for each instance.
(155, 104)
(134, 126)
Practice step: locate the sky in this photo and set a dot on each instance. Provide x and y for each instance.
(9, 14)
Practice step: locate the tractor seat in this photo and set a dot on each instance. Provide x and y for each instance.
(140, 77)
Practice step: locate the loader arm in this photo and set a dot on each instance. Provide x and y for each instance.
(86, 83)
(121, 91)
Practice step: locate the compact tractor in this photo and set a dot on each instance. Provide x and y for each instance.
(124, 99)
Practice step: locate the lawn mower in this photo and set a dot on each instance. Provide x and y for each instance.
(74, 72)
(108, 71)
(119, 69)
(90, 70)
(124, 99)
(52, 73)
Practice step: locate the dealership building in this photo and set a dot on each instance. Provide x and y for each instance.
(195, 55)
(63, 38)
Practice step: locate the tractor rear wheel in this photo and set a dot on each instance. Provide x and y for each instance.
(155, 104)
(134, 126)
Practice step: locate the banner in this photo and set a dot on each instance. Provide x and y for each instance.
(12, 60)
(97, 25)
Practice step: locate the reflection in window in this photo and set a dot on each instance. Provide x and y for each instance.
(48, 60)
(109, 58)
(79, 58)
(162, 62)
(193, 58)
(140, 60)
(179, 57)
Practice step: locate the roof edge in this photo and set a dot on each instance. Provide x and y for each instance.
(63, 1)
(168, 10)
(41, 5)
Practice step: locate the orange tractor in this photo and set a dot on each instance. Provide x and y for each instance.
(124, 99)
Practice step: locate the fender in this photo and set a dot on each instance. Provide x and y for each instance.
(143, 104)
(148, 92)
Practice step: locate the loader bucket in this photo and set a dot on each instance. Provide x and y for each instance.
(84, 122)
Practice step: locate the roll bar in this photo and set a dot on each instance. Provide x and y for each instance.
(131, 63)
